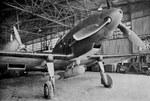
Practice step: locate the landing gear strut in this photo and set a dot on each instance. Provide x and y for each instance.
(106, 80)
(49, 86)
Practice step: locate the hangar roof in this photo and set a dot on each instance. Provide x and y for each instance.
(38, 18)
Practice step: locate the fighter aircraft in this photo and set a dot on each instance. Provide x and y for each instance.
(76, 49)
(81, 45)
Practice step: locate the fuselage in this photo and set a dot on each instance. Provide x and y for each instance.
(68, 45)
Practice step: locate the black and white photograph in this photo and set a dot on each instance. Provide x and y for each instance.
(75, 50)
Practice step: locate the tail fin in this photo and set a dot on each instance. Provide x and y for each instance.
(18, 38)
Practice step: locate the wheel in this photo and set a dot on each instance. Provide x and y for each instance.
(48, 90)
(109, 82)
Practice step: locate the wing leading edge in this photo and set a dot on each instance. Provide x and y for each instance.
(116, 56)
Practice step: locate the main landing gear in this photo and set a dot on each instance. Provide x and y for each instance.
(49, 86)
(106, 80)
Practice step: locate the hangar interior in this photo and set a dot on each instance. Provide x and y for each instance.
(41, 23)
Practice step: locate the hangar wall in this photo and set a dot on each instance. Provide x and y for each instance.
(141, 25)
(116, 46)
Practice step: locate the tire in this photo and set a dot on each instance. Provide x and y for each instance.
(48, 90)
(109, 81)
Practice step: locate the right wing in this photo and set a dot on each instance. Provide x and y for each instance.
(117, 56)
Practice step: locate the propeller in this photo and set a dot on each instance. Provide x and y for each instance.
(90, 30)
(17, 36)
(108, 4)
(132, 36)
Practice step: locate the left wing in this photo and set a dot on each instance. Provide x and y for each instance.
(21, 54)
(48, 56)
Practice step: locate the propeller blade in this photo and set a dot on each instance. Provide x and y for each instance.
(89, 30)
(108, 4)
(17, 36)
(132, 36)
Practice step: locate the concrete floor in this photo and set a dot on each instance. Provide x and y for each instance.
(87, 87)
